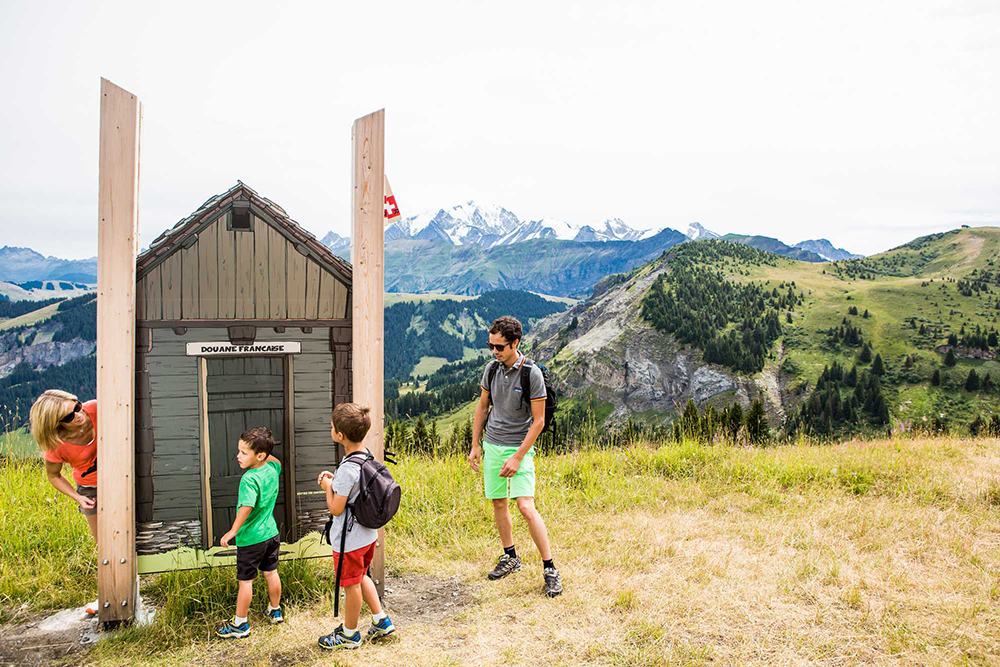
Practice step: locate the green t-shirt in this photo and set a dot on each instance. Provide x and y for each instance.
(259, 490)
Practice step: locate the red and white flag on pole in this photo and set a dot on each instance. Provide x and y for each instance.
(391, 209)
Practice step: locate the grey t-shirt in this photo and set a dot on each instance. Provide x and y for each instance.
(510, 418)
(345, 483)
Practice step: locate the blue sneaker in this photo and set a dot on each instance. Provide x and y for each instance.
(230, 631)
(337, 639)
(276, 616)
(381, 629)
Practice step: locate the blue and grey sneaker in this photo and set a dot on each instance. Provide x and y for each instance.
(337, 639)
(231, 631)
(381, 629)
(276, 616)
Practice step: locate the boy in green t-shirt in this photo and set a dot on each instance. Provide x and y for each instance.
(255, 530)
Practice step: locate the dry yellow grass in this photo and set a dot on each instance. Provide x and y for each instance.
(694, 565)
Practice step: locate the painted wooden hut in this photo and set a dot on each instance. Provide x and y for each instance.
(243, 319)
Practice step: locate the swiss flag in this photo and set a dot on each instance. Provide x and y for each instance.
(391, 209)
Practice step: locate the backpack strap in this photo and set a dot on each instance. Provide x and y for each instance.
(492, 373)
(526, 380)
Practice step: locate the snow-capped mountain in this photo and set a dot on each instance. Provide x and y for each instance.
(339, 245)
(487, 225)
(696, 232)
(826, 250)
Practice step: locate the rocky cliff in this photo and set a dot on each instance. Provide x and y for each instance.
(615, 356)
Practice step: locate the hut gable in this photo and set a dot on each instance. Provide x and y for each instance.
(240, 257)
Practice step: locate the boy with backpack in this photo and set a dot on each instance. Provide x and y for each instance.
(512, 406)
(255, 529)
(353, 542)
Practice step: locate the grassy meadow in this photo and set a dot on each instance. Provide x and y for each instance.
(881, 552)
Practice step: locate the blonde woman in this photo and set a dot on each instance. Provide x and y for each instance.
(66, 432)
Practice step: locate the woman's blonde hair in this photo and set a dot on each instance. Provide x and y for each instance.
(45, 415)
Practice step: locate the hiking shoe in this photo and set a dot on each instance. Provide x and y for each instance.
(231, 631)
(337, 639)
(276, 616)
(92, 608)
(381, 629)
(505, 565)
(553, 582)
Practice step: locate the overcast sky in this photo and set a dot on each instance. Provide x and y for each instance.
(868, 123)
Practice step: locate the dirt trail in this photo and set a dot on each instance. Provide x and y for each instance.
(48, 637)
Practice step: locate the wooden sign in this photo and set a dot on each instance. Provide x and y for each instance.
(392, 213)
(226, 348)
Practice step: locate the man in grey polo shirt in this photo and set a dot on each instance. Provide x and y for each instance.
(514, 421)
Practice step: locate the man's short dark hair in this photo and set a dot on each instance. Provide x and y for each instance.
(259, 439)
(508, 327)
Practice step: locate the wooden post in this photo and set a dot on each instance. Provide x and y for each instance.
(368, 284)
(117, 239)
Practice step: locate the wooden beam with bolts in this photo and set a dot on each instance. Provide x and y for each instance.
(368, 285)
(117, 240)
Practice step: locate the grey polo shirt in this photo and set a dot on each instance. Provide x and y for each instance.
(510, 418)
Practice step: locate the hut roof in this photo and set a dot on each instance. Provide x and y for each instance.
(177, 236)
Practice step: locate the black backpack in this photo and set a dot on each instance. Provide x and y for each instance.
(377, 502)
(551, 398)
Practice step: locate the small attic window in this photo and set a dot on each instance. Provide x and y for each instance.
(239, 220)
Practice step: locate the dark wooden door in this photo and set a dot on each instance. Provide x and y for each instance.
(243, 392)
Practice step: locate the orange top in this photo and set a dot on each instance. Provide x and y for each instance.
(81, 457)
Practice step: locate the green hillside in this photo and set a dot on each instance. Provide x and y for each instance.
(916, 297)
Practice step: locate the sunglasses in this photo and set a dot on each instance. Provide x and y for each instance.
(68, 418)
(498, 348)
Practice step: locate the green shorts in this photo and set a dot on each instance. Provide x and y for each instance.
(521, 485)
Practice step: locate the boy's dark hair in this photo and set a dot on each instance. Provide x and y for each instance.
(508, 327)
(259, 439)
(352, 420)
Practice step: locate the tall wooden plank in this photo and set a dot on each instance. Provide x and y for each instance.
(189, 283)
(205, 455)
(296, 284)
(244, 275)
(227, 269)
(289, 440)
(153, 295)
(262, 302)
(327, 295)
(340, 300)
(140, 300)
(277, 249)
(208, 272)
(367, 257)
(117, 240)
(312, 290)
(170, 286)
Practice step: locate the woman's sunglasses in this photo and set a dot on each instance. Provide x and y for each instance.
(68, 418)
(498, 348)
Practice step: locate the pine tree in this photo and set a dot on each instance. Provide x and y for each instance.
(866, 354)
(467, 435)
(866, 315)
(949, 359)
(972, 381)
(758, 431)
(878, 368)
(936, 378)
(734, 422)
(987, 384)
(421, 440)
(433, 438)
(690, 420)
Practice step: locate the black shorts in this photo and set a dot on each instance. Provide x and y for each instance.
(262, 556)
